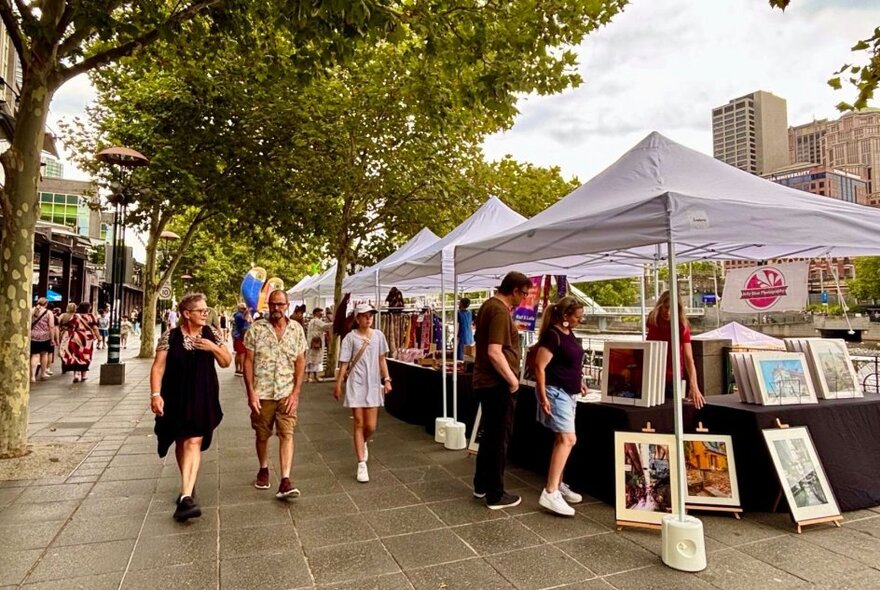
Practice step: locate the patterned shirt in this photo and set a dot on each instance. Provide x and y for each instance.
(273, 358)
(163, 343)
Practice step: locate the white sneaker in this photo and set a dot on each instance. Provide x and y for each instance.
(366, 452)
(363, 475)
(571, 496)
(555, 503)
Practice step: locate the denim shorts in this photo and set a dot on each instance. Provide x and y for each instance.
(562, 410)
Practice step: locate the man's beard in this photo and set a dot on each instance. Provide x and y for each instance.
(276, 315)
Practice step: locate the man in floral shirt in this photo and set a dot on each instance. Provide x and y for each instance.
(273, 375)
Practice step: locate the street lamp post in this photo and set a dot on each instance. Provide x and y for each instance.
(126, 159)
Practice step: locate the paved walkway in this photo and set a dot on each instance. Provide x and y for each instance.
(108, 524)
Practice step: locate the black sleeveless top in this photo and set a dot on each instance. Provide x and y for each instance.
(190, 390)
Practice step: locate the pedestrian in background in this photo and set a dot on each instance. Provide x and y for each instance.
(42, 339)
(81, 334)
(559, 366)
(496, 383)
(185, 395)
(465, 335)
(103, 328)
(240, 323)
(273, 374)
(363, 371)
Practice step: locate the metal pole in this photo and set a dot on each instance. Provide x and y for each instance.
(657, 274)
(454, 344)
(378, 304)
(443, 335)
(676, 380)
(717, 298)
(642, 299)
(116, 288)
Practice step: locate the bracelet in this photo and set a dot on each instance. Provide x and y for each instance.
(155, 394)
(386, 379)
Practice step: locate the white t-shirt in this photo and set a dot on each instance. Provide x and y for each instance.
(363, 389)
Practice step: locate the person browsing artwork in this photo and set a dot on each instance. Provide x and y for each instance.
(496, 383)
(659, 329)
(363, 372)
(559, 364)
(273, 375)
(186, 394)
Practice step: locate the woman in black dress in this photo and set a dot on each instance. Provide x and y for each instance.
(186, 394)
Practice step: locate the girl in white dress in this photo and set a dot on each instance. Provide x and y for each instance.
(362, 361)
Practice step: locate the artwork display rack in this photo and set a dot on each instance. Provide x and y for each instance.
(734, 510)
(621, 524)
(836, 519)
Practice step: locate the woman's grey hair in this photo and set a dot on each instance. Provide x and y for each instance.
(188, 300)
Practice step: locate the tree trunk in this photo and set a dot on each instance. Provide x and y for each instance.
(151, 296)
(333, 350)
(21, 164)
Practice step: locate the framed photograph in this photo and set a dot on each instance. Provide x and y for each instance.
(625, 374)
(740, 363)
(711, 470)
(782, 378)
(834, 376)
(646, 467)
(800, 473)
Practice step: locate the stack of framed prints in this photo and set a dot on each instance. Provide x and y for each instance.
(711, 473)
(772, 378)
(645, 469)
(830, 366)
(634, 373)
(801, 476)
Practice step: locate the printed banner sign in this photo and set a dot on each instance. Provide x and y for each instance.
(762, 289)
(526, 315)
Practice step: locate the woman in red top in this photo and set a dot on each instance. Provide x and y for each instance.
(660, 329)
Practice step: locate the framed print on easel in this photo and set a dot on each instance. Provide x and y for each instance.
(645, 467)
(801, 476)
(711, 472)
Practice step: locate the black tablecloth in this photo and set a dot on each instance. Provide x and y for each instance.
(416, 397)
(846, 434)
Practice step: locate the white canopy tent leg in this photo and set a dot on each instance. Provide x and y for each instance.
(454, 347)
(378, 305)
(657, 274)
(455, 430)
(442, 422)
(684, 546)
(642, 299)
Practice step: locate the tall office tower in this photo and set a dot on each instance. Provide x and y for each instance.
(855, 139)
(806, 143)
(751, 132)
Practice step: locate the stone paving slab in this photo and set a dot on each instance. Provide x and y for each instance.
(107, 524)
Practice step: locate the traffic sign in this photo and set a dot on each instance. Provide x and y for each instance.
(165, 292)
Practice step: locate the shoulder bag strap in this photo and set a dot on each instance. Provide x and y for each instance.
(37, 321)
(357, 356)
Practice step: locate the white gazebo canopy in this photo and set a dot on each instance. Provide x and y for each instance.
(365, 282)
(660, 191)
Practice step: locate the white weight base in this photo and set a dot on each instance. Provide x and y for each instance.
(455, 437)
(440, 425)
(684, 547)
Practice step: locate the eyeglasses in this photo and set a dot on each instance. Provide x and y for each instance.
(203, 311)
(277, 303)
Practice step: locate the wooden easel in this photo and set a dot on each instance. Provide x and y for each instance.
(621, 524)
(734, 510)
(836, 519)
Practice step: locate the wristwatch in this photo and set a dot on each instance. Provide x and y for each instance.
(386, 380)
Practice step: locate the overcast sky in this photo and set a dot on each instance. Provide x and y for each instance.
(662, 65)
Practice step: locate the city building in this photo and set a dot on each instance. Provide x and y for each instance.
(52, 167)
(751, 132)
(850, 184)
(73, 203)
(806, 143)
(854, 139)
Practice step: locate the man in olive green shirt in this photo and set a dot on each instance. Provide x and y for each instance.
(496, 382)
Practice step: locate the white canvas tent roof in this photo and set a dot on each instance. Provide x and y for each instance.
(297, 287)
(321, 285)
(364, 282)
(742, 336)
(491, 218)
(660, 190)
